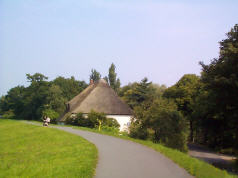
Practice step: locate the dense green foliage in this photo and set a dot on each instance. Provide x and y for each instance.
(40, 97)
(210, 103)
(95, 75)
(155, 118)
(184, 93)
(218, 104)
(93, 120)
(51, 114)
(137, 93)
(70, 87)
(33, 151)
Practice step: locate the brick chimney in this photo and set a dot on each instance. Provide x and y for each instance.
(91, 82)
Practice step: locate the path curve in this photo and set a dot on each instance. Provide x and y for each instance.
(120, 158)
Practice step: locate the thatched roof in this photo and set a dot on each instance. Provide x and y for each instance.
(99, 97)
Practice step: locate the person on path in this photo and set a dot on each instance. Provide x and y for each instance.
(46, 121)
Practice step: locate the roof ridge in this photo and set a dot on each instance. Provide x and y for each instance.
(94, 85)
(78, 103)
(100, 97)
(117, 96)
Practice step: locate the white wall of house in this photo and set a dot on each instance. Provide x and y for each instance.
(123, 120)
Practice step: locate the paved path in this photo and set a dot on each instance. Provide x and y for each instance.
(125, 159)
(207, 155)
(120, 158)
(221, 161)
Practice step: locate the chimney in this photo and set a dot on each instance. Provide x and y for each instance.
(91, 82)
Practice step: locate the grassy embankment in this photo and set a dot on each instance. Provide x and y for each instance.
(33, 151)
(195, 167)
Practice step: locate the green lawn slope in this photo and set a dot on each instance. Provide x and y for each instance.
(34, 151)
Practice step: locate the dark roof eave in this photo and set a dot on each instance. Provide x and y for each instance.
(107, 114)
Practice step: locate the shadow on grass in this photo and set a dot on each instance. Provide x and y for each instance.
(215, 159)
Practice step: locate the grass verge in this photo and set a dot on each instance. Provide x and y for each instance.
(195, 167)
(33, 151)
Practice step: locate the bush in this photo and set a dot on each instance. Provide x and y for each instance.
(95, 117)
(84, 122)
(92, 121)
(138, 131)
(69, 120)
(72, 120)
(163, 121)
(113, 130)
(111, 123)
(8, 114)
(51, 114)
(171, 129)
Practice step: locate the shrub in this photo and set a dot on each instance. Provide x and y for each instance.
(72, 120)
(138, 131)
(111, 123)
(8, 114)
(96, 117)
(83, 121)
(92, 120)
(162, 120)
(51, 114)
(113, 130)
(69, 120)
(171, 129)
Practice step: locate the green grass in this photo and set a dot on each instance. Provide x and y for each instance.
(33, 151)
(195, 167)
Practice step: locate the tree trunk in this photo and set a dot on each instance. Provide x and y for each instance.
(191, 130)
(205, 136)
(157, 135)
(236, 140)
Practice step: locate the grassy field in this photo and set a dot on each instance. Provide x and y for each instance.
(195, 167)
(33, 151)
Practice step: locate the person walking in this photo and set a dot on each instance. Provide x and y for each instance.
(46, 121)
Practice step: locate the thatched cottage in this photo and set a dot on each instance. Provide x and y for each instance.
(100, 97)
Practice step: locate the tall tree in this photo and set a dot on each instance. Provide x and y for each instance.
(3, 106)
(37, 77)
(138, 93)
(70, 87)
(184, 93)
(162, 121)
(55, 99)
(113, 81)
(35, 96)
(95, 75)
(220, 80)
(40, 97)
(13, 100)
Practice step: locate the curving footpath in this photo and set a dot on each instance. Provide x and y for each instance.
(120, 158)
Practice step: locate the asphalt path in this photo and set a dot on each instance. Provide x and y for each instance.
(120, 158)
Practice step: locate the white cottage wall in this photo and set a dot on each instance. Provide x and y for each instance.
(123, 120)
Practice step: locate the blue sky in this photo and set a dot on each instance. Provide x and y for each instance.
(161, 40)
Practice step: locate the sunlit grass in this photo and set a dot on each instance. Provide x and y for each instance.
(195, 167)
(34, 151)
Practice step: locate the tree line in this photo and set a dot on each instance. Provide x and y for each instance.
(43, 97)
(201, 109)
